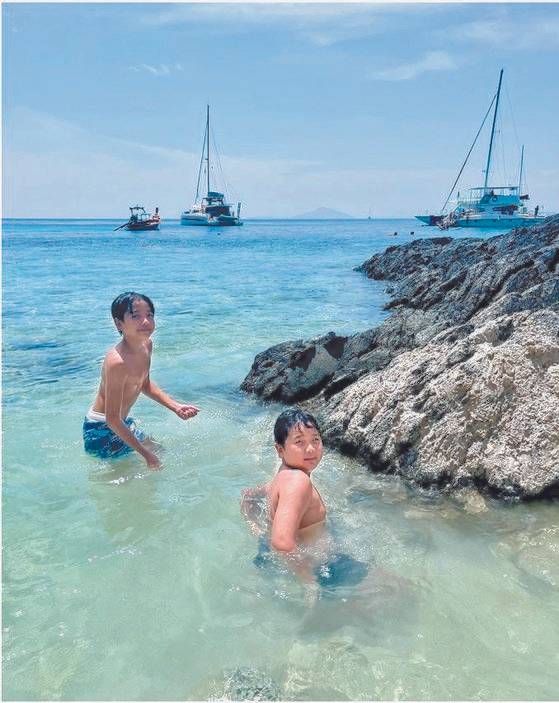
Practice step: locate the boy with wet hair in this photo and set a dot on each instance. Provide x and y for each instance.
(295, 512)
(293, 502)
(108, 431)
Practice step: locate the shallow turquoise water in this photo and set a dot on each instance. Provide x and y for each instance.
(123, 584)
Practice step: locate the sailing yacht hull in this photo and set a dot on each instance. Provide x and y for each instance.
(205, 221)
(498, 223)
(194, 220)
(227, 221)
(429, 219)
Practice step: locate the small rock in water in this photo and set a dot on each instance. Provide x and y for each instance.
(471, 500)
(248, 684)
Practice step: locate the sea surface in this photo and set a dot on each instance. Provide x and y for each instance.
(125, 584)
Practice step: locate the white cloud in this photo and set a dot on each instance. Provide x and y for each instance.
(320, 24)
(257, 13)
(161, 70)
(328, 23)
(502, 31)
(432, 61)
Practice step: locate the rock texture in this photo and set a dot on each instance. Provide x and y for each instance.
(248, 684)
(483, 410)
(460, 385)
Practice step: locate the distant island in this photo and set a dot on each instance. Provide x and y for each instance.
(325, 213)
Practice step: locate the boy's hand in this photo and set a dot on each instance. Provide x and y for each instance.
(153, 461)
(185, 411)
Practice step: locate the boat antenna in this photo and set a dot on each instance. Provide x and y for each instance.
(208, 144)
(493, 132)
(468, 154)
(521, 168)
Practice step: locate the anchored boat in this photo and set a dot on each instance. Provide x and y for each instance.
(211, 210)
(488, 206)
(140, 220)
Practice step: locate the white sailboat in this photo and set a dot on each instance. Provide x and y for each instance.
(211, 210)
(488, 206)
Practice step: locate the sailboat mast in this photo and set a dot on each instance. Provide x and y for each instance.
(493, 131)
(208, 145)
(521, 169)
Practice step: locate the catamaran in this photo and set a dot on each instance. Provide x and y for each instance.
(488, 206)
(211, 210)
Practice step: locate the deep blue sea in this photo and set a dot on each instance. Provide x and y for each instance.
(125, 584)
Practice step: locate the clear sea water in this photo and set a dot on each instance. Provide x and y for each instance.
(123, 584)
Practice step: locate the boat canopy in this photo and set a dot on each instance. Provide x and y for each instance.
(497, 190)
(214, 195)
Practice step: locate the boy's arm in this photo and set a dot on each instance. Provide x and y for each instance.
(152, 390)
(294, 497)
(249, 509)
(256, 491)
(115, 376)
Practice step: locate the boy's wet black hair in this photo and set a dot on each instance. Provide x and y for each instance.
(123, 303)
(290, 418)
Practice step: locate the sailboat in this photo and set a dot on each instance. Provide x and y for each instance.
(488, 206)
(211, 210)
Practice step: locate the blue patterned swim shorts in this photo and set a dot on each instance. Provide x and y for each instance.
(338, 572)
(102, 442)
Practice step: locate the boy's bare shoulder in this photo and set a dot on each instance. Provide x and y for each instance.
(293, 480)
(113, 360)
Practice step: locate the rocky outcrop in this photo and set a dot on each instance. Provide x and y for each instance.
(460, 385)
(483, 410)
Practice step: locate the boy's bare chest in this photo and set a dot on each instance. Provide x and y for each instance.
(316, 510)
(137, 372)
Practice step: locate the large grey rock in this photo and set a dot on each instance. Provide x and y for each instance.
(456, 278)
(481, 410)
(447, 297)
(295, 371)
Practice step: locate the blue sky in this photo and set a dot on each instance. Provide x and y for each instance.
(348, 106)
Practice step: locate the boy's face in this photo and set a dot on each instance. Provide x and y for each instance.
(140, 323)
(302, 449)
